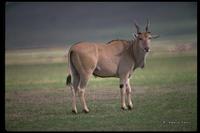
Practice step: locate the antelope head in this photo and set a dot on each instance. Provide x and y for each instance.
(144, 38)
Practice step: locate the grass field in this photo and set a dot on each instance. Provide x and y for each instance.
(164, 96)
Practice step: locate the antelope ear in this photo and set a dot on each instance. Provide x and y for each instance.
(155, 36)
(134, 35)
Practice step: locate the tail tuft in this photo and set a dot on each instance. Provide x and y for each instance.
(68, 81)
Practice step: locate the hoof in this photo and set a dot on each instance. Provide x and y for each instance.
(124, 108)
(74, 111)
(86, 111)
(130, 107)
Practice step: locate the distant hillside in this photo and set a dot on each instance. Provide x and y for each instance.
(46, 24)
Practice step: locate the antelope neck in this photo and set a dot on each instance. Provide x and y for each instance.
(138, 54)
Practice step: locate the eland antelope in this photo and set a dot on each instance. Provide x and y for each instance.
(117, 58)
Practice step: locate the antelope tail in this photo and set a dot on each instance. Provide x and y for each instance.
(69, 77)
(68, 81)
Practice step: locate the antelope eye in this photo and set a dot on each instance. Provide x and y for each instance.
(150, 37)
(140, 38)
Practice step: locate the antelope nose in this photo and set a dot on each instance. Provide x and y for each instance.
(146, 49)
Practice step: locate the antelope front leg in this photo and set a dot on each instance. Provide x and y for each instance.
(128, 92)
(123, 92)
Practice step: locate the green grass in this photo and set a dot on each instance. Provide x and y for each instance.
(164, 97)
(158, 71)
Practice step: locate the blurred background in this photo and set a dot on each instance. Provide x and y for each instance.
(57, 24)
